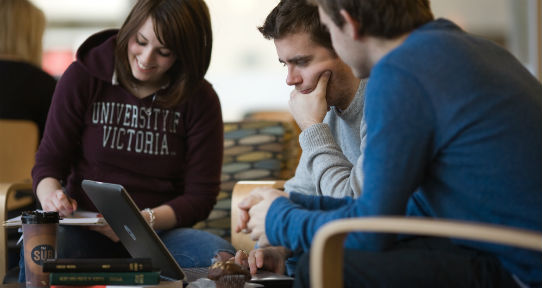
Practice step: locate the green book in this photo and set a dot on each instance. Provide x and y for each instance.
(104, 278)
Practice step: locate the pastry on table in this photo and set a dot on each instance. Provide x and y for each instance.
(228, 274)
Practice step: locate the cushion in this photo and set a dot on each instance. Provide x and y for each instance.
(253, 150)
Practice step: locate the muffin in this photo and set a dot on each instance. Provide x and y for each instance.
(228, 274)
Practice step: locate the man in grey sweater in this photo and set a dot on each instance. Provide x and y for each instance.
(304, 47)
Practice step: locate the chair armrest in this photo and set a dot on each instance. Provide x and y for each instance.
(240, 191)
(6, 195)
(326, 259)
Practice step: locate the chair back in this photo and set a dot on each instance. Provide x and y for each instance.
(17, 149)
(327, 248)
(18, 145)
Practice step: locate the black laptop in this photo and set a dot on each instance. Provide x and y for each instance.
(122, 214)
(141, 241)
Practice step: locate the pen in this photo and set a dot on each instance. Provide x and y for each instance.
(66, 193)
(20, 238)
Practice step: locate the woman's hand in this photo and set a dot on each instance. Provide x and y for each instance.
(107, 231)
(52, 198)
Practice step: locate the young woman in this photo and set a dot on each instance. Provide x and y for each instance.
(134, 109)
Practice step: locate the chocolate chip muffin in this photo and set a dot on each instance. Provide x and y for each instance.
(228, 274)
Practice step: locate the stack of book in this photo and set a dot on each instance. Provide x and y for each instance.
(110, 271)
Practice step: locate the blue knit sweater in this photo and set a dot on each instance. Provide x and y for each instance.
(454, 128)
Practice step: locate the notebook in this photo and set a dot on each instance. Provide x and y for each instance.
(141, 241)
(78, 218)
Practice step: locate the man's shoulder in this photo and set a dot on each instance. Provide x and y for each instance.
(331, 115)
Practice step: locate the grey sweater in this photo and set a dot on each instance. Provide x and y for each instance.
(327, 162)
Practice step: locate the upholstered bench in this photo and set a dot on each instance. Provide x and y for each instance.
(253, 150)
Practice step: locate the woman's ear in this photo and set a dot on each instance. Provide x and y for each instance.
(351, 27)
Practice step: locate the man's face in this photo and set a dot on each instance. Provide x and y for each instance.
(307, 60)
(357, 58)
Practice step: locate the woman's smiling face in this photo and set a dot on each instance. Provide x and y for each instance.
(149, 59)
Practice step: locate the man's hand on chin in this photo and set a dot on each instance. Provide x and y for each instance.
(311, 108)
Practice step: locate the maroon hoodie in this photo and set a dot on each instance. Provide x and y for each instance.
(98, 130)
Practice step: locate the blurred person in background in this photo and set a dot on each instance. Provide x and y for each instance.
(135, 109)
(26, 89)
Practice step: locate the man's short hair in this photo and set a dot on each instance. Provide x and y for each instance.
(380, 18)
(294, 16)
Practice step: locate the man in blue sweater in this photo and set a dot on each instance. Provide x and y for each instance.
(453, 131)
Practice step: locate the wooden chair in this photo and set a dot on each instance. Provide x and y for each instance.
(17, 151)
(326, 259)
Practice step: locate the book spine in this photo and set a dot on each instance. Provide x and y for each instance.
(131, 265)
(105, 278)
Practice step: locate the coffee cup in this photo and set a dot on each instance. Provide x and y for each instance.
(39, 240)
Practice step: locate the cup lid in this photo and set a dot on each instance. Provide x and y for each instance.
(39, 217)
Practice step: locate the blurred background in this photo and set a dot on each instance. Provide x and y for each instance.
(244, 68)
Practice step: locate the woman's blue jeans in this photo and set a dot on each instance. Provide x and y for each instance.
(190, 247)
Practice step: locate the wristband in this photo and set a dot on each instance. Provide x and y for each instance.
(152, 217)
